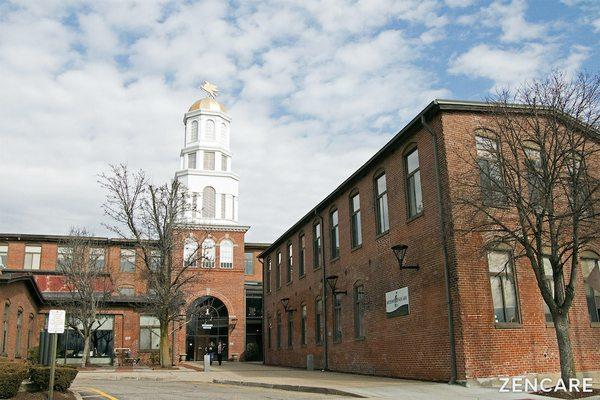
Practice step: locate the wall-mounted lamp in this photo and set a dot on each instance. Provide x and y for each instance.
(286, 304)
(232, 322)
(332, 282)
(400, 252)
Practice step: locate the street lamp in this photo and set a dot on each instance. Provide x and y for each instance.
(286, 304)
(400, 252)
(332, 282)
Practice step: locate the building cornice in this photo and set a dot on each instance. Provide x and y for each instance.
(197, 113)
(200, 172)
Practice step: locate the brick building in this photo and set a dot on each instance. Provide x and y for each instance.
(225, 301)
(443, 321)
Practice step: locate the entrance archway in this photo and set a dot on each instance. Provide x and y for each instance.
(208, 323)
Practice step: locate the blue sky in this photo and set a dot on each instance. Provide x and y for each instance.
(313, 88)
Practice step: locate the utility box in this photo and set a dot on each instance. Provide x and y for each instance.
(310, 364)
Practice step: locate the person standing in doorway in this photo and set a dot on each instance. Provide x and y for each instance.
(211, 351)
(220, 351)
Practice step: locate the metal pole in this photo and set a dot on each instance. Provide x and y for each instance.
(52, 366)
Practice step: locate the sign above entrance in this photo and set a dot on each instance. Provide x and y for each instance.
(396, 302)
(56, 321)
(207, 326)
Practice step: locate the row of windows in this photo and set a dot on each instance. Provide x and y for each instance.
(414, 207)
(33, 257)
(209, 204)
(209, 133)
(193, 255)
(209, 161)
(19, 332)
(358, 301)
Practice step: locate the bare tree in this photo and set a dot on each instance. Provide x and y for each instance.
(534, 185)
(150, 216)
(88, 286)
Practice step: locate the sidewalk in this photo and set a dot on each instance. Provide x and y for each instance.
(256, 374)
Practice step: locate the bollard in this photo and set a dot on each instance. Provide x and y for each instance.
(206, 362)
(310, 365)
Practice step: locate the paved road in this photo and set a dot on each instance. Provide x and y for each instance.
(149, 390)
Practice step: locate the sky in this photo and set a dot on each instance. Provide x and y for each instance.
(314, 88)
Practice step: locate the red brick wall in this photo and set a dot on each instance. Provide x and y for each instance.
(17, 295)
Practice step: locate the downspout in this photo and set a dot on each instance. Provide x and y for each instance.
(262, 311)
(325, 346)
(445, 249)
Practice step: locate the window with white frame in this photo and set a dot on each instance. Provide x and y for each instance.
(381, 201)
(97, 255)
(194, 135)
(208, 202)
(190, 253)
(32, 257)
(149, 332)
(127, 260)
(3, 255)
(208, 253)
(223, 133)
(63, 257)
(504, 288)
(192, 160)
(226, 250)
(210, 130)
(209, 160)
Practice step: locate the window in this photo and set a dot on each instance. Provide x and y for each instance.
(19, 333)
(591, 276)
(96, 258)
(249, 263)
(223, 205)
(5, 327)
(290, 329)
(290, 261)
(301, 255)
(319, 321)
(381, 202)
(194, 131)
(209, 202)
(190, 253)
(209, 160)
(63, 257)
(226, 253)
(550, 280)
(359, 311)
(278, 339)
(504, 291)
(490, 176)
(149, 332)
(224, 162)
(127, 260)
(355, 223)
(208, 253)
(3, 255)
(334, 233)
(223, 133)
(155, 260)
(337, 317)
(210, 130)
(278, 270)
(30, 331)
(533, 163)
(126, 291)
(413, 184)
(32, 257)
(192, 160)
(268, 276)
(317, 256)
(303, 316)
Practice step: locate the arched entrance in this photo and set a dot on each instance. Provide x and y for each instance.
(208, 322)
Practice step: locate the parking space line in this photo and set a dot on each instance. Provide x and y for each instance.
(101, 393)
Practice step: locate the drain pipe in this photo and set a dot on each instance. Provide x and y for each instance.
(445, 248)
(325, 341)
(262, 312)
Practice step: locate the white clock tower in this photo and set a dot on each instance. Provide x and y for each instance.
(205, 167)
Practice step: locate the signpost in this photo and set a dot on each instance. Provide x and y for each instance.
(56, 325)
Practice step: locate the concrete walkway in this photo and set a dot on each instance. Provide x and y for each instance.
(255, 374)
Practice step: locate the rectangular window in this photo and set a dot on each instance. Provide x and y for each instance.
(63, 256)
(337, 317)
(413, 184)
(97, 258)
(19, 333)
(3, 256)
(5, 328)
(278, 270)
(155, 260)
(359, 311)
(550, 280)
(126, 291)
(192, 160)
(224, 162)
(319, 321)
(591, 277)
(223, 205)
(355, 223)
(504, 290)
(490, 174)
(535, 181)
(381, 201)
(149, 332)
(335, 233)
(301, 255)
(317, 255)
(303, 316)
(127, 260)
(290, 263)
(209, 160)
(268, 275)
(290, 329)
(32, 257)
(249, 263)
(278, 338)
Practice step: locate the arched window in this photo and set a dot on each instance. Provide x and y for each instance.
(194, 135)
(190, 253)
(223, 133)
(226, 250)
(208, 253)
(208, 202)
(590, 263)
(210, 130)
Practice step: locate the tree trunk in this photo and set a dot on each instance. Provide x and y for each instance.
(565, 349)
(165, 354)
(85, 356)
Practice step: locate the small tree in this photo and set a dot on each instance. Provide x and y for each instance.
(535, 185)
(88, 285)
(151, 216)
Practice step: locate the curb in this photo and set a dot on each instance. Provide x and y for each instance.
(291, 388)
(76, 394)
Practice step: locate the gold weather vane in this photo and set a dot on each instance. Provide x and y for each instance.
(210, 89)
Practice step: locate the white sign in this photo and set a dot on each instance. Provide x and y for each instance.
(396, 302)
(207, 326)
(56, 321)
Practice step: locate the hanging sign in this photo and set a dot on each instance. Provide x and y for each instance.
(56, 321)
(396, 302)
(207, 326)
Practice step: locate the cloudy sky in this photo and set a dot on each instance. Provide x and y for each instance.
(314, 88)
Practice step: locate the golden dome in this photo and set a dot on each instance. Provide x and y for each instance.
(207, 104)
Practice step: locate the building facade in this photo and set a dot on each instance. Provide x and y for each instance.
(334, 290)
(223, 303)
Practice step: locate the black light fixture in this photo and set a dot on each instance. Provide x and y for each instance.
(400, 252)
(286, 304)
(332, 282)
